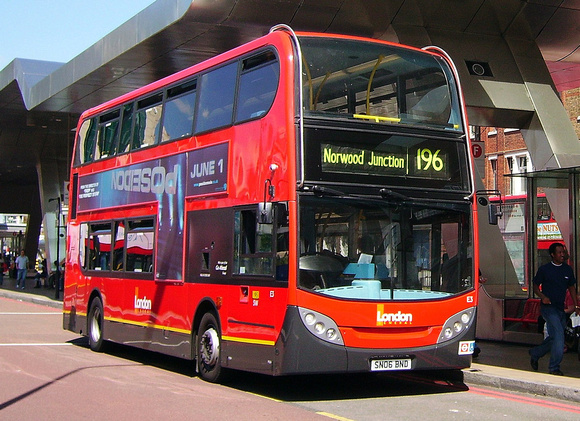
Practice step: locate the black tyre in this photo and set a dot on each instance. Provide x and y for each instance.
(208, 349)
(95, 326)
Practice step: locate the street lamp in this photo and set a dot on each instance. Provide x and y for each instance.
(57, 282)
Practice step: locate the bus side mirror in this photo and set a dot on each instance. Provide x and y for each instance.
(265, 213)
(493, 212)
(269, 212)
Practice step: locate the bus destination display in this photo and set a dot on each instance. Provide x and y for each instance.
(398, 161)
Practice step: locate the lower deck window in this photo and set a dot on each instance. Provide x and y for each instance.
(252, 245)
(118, 246)
(259, 248)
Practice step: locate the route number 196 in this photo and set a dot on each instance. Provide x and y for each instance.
(427, 159)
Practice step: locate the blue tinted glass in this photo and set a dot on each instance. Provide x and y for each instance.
(257, 91)
(178, 117)
(216, 98)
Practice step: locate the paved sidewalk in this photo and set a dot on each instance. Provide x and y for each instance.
(44, 296)
(500, 365)
(507, 366)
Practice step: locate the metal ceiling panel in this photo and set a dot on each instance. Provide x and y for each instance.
(260, 13)
(566, 75)
(410, 13)
(365, 17)
(561, 35)
(312, 15)
(530, 21)
(497, 17)
(173, 34)
(447, 15)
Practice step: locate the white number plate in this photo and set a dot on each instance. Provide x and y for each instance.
(392, 364)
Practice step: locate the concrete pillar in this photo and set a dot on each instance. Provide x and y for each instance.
(51, 182)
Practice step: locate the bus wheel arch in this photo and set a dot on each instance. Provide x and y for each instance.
(95, 323)
(207, 343)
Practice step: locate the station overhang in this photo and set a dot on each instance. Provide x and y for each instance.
(40, 102)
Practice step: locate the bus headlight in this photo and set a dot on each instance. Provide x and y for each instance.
(331, 334)
(457, 324)
(465, 317)
(321, 326)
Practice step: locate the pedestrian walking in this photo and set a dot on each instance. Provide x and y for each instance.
(550, 284)
(21, 269)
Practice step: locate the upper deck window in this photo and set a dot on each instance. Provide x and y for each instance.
(108, 134)
(126, 127)
(236, 92)
(146, 122)
(86, 139)
(258, 84)
(378, 82)
(178, 111)
(216, 98)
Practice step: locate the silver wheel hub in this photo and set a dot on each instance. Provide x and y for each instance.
(209, 344)
(96, 326)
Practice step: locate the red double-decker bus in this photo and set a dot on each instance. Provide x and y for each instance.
(300, 204)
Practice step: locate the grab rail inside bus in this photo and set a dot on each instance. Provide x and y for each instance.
(377, 118)
(375, 67)
(310, 85)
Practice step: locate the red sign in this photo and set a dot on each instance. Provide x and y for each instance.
(476, 150)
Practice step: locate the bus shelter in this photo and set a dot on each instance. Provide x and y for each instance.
(527, 225)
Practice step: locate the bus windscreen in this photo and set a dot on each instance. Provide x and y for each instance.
(378, 83)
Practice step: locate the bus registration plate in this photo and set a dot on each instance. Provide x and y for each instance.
(391, 364)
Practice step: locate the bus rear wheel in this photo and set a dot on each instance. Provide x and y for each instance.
(208, 349)
(95, 327)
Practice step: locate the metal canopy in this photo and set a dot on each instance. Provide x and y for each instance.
(555, 173)
(39, 107)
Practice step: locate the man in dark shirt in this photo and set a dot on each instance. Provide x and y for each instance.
(554, 278)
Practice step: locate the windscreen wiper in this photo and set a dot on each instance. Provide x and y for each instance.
(325, 191)
(409, 201)
(390, 194)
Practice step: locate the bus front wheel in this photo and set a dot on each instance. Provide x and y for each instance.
(95, 328)
(208, 349)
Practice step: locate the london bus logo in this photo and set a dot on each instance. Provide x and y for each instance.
(142, 305)
(384, 319)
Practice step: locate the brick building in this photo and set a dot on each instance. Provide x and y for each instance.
(505, 153)
(571, 101)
